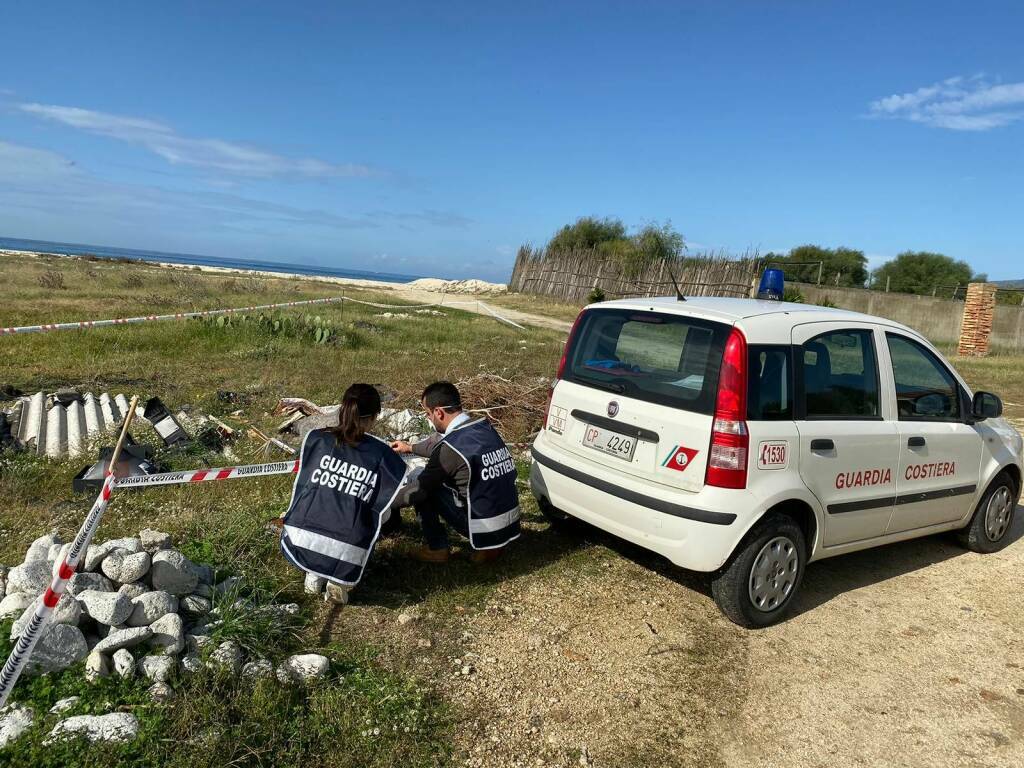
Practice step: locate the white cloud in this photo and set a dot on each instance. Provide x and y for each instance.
(56, 190)
(211, 154)
(957, 103)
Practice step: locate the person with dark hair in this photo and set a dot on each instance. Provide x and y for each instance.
(469, 480)
(346, 485)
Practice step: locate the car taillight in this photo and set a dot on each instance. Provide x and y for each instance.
(561, 364)
(727, 458)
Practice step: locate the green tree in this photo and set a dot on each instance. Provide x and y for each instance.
(923, 272)
(587, 233)
(847, 265)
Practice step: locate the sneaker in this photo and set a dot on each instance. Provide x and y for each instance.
(425, 554)
(337, 594)
(482, 556)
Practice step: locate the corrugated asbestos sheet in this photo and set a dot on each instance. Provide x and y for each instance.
(45, 426)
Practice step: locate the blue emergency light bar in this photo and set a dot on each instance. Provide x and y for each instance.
(772, 285)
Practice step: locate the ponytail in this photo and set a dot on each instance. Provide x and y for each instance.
(359, 407)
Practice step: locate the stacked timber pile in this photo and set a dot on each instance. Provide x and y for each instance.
(976, 328)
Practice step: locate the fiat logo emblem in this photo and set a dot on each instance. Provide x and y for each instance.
(613, 409)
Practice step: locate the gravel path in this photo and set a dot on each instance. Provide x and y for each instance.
(911, 655)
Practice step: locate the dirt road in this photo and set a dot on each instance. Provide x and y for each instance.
(604, 655)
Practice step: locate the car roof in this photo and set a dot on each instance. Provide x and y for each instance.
(772, 317)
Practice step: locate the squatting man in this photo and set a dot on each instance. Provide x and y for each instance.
(350, 484)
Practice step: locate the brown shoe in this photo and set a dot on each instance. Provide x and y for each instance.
(482, 556)
(425, 554)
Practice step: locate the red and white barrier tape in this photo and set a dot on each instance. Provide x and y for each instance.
(81, 324)
(34, 629)
(85, 324)
(206, 475)
(30, 635)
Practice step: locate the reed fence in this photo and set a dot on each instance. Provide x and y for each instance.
(572, 275)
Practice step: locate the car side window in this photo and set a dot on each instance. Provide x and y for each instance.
(769, 395)
(925, 389)
(839, 374)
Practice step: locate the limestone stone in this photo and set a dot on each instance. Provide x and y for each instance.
(40, 548)
(115, 727)
(63, 705)
(161, 692)
(14, 722)
(194, 605)
(226, 657)
(68, 611)
(173, 572)
(14, 604)
(32, 577)
(156, 668)
(258, 669)
(97, 665)
(303, 668)
(111, 608)
(125, 568)
(123, 638)
(151, 606)
(134, 589)
(154, 540)
(124, 662)
(168, 634)
(80, 582)
(60, 646)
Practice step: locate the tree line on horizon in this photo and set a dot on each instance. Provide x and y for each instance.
(918, 272)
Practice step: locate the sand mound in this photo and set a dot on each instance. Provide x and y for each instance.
(457, 286)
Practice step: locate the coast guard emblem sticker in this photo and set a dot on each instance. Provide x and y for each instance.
(679, 458)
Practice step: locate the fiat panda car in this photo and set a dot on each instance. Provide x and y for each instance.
(747, 438)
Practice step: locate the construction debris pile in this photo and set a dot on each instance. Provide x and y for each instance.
(137, 607)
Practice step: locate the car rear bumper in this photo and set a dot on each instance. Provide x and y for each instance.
(690, 529)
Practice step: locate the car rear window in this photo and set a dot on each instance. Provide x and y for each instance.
(666, 359)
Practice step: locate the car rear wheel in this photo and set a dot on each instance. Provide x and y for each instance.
(990, 526)
(756, 587)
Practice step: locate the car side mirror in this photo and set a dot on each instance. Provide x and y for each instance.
(986, 406)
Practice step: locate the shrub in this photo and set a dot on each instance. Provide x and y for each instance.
(792, 294)
(52, 279)
(596, 295)
(132, 280)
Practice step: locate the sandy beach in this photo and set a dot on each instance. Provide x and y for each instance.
(430, 284)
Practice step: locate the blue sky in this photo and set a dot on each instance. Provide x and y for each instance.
(435, 138)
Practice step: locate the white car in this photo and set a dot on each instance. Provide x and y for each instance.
(747, 438)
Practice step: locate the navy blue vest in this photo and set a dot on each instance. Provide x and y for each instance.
(340, 498)
(493, 503)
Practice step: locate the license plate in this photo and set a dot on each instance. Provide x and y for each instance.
(607, 441)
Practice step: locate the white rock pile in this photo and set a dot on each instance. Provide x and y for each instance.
(137, 606)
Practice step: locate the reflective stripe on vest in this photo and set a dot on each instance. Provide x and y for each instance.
(325, 545)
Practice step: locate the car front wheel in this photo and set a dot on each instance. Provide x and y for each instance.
(990, 526)
(756, 587)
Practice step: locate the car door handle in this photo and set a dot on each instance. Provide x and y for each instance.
(916, 442)
(823, 444)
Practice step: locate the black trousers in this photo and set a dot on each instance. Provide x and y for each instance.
(435, 511)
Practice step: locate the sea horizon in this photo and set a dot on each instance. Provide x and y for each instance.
(194, 259)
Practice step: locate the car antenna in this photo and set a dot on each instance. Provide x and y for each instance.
(675, 284)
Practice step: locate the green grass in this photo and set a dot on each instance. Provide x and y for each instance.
(371, 712)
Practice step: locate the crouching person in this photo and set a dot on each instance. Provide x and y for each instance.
(469, 481)
(346, 484)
